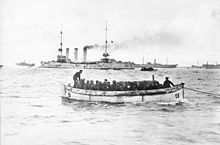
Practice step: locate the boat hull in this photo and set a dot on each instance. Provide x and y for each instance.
(163, 66)
(25, 64)
(174, 94)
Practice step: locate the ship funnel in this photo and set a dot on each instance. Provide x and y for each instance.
(84, 54)
(75, 54)
(67, 54)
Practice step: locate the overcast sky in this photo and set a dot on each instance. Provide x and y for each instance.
(184, 31)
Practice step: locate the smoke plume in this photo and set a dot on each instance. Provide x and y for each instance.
(159, 39)
(94, 46)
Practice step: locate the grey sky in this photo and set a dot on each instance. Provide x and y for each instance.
(185, 31)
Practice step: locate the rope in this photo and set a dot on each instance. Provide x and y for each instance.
(202, 91)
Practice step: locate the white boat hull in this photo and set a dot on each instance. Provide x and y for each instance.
(174, 94)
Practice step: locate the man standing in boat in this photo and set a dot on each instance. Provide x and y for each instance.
(167, 83)
(76, 77)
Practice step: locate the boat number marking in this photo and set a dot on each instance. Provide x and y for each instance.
(177, 95)
(142, 99)
(119, 99)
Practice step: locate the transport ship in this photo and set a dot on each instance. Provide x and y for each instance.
(158, 65)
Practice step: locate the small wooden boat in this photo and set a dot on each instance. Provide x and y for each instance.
(148, 69)
(173, 94)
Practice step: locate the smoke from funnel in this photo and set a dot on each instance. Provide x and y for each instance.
(93, 46)
(76, 55)
(160, 38)
(85, 53)
(67, 54)
(85, 48)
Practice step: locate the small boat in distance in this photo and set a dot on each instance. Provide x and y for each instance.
(148, 69)
(25, 64)
(1, 66)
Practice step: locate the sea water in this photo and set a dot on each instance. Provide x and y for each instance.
(32, 112)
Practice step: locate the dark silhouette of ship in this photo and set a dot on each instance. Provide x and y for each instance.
(25, 64)
(211, 66)
(158, 65)
(207, 66)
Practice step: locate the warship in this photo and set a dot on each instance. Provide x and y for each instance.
(158, 65)
(63, 61)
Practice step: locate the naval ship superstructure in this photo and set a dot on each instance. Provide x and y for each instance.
(105, 63)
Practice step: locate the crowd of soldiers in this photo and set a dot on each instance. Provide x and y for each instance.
(117, 86)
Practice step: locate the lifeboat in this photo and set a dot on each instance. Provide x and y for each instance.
(173, 94)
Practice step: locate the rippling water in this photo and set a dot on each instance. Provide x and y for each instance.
(32, 112)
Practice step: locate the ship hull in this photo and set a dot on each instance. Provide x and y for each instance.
(101, 66)
(196, 66)
(207, 66)
(163, 66)
(25, 64)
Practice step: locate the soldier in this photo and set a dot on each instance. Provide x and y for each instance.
(100, 86)
(96, 85)
(105, 84)
(76, 77)
(92, 85)
(167, 83)
(81, 83)
(87, 86)
(135, 87)
(113, 86)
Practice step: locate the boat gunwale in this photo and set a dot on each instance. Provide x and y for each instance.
(129, 93)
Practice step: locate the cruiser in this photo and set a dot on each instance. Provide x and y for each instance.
(63, 61)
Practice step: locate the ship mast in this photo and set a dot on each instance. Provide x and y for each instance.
(105, 54)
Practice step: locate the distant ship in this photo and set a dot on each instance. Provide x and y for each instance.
(196, 66)
(25, 64)
(106, 63)
(211, 66)
(1, 66)
(158, 65)
(148, 69)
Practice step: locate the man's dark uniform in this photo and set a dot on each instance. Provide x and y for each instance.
(167, 83)
(76, 77)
